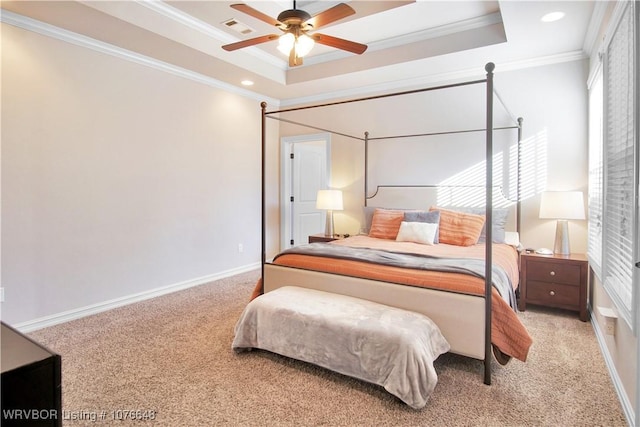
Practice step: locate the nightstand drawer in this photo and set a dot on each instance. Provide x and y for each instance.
(544, 271)
(552, 294)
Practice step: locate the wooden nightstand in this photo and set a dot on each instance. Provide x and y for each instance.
(320, 237)
(554, 281)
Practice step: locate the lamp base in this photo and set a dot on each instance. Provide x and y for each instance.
(561, 246)
(328, 228)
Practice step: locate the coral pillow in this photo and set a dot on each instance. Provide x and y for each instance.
(386, 223)
(498, 221)
(459, 228)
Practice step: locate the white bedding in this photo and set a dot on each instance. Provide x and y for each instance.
(387, 346)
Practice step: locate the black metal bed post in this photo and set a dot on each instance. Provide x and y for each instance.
(366, 167)
(518, 178)
(489, 239)
(263, 106)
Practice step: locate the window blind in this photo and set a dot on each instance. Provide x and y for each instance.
(594, 230)
(620, 182)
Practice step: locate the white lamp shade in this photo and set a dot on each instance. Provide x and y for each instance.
(329, 200)
(562, 205)
(285, 43)
(303, 44)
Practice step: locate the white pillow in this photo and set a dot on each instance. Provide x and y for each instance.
(418, 232)
(512, 238)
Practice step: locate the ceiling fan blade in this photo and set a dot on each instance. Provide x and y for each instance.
(249, 42)
(339, 43)
(256, 14)
(330, 15)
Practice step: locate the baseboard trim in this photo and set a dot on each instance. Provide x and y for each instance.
(66, 316)
(613, 373)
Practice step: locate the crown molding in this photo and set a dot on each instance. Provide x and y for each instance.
(417, 36)
(208, 30)
(87, 42)
(52, 31)
(437, 78)
(576, 55)
(595, 25)
(187, 20)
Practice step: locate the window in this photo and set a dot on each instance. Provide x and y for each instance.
(620, 164)
(594, 231)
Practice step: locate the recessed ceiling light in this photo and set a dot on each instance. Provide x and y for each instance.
(552, 17)
(247, 83)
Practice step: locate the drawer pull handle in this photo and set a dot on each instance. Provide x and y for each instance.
(552, 293)
(553, 273)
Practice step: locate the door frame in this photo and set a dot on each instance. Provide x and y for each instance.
(286, 178)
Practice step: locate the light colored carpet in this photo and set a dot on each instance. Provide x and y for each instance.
(172, 355)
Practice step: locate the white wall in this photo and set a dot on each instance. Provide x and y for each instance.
(117, 178)
(552, 100)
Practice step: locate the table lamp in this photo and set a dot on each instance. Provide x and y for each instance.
(329, 200)
(562, 206)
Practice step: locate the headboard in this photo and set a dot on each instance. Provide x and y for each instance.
(425, 196)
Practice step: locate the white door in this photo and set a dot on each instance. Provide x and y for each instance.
(305, 172)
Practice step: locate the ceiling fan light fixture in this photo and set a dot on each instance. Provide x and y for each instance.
(286, 42)
(303, 44)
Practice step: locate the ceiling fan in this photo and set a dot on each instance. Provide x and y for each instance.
(296, 25)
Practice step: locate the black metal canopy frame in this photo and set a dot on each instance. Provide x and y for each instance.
(488, 130)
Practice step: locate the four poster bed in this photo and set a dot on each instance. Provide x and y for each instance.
(467, 287)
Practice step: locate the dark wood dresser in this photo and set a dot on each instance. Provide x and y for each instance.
(31, 381)
(554, 281)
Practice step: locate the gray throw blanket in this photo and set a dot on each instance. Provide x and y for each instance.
(383, 345)
(471, 266)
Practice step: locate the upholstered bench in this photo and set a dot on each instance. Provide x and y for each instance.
(383, 345)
